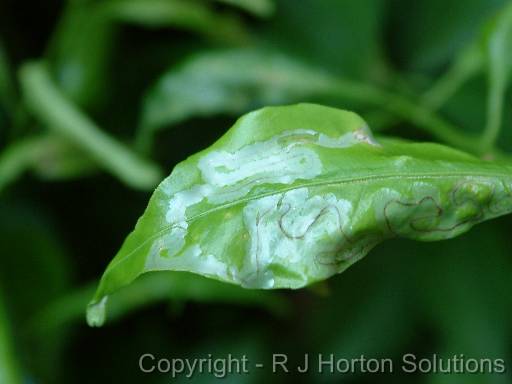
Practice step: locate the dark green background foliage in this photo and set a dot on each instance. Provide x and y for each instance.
(100, 99)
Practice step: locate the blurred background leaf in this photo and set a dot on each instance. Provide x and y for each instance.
(498, 47)
(50, 156)
(80, 52)
(424, 41)
(210, 84)
(344, 37)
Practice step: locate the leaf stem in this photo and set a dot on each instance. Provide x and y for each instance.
(467, 64)
(497, 50)
(59, 114)
(409, 111)
(494, 115)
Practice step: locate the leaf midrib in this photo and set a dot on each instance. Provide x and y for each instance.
(438, 175)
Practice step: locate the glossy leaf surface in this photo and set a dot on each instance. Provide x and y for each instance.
(293, 195)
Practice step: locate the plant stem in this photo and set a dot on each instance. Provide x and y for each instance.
(465, 66)
(53, 109)
(497, 88)
(409, 111)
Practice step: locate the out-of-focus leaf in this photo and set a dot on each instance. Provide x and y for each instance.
(80, 52)
(153, 288)
(261, 8)
(50, 156)
(424, 41)
(293, 195)
(189, 14)
(17, 158)
(83, 43)
(499, 62)
(343, 37)
(55, 111)
(488, 48)
(9, 370)
(491, 48)
(214, 83)
(468, 62)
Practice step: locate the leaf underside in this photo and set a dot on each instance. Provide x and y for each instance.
(293, 195)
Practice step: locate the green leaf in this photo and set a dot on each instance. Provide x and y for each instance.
(49, 155)
(293, 195)
(187, 14)
(262, 8)
(80, 51)
(9, 370)
(490, 49)
(212, 83)
(344, 37)
(498, 48)
(82, 46)
(60, 115)
(424, 41)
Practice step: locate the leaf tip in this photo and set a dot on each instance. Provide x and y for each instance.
(96, 312)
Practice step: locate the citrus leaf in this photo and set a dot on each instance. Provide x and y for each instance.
(293, 195)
